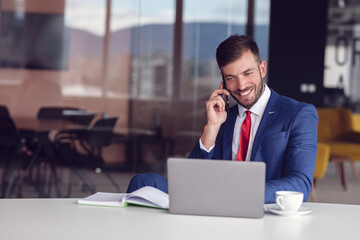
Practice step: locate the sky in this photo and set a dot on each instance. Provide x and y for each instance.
(89, 15)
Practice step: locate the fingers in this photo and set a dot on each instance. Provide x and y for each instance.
(216, 108)
(216, 103)
(219, 92)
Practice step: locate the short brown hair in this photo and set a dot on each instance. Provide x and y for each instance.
(234, 47)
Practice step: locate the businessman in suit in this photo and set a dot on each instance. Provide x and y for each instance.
(262, 126)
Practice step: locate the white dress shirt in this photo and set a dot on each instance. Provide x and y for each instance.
(257, 111)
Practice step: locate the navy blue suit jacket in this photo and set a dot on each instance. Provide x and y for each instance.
(286, 141)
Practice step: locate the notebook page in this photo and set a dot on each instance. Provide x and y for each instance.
(147, 195)
(104, 199)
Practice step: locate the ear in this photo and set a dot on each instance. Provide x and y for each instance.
(221, 85)
(263, 69)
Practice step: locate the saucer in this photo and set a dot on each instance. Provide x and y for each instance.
(275, 209)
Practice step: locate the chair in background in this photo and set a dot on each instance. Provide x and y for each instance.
(52, 113)
(28, 139)
(322, 160)
(4, 112)
(69, 114)
(356, 122)
(25, 133)
(356, 127)
(82, 149)
(336, 130)
(16, 156)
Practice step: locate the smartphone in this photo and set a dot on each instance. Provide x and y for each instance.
(227, 102)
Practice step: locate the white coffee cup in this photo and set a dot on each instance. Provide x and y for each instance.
(289, 201)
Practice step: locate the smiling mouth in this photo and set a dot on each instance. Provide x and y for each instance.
(244, 94)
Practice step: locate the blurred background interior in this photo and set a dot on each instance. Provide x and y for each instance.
(95, 91)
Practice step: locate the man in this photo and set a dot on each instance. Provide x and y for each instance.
(263, 126)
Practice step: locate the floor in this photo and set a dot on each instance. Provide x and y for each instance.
(329, 189)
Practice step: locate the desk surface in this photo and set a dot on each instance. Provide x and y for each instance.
(64, 219)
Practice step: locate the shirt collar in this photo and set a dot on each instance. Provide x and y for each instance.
(259, 107)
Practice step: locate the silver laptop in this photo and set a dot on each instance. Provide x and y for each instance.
(216, 187)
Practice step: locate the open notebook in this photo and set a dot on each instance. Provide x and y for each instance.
(145, 196)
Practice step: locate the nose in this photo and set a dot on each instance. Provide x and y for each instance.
(240, 83)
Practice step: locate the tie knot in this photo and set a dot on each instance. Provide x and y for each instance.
(248, 113)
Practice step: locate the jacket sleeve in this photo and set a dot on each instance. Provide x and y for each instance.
(300, 155)
(198, 153)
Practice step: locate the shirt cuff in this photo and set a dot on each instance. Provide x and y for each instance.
(202, 147)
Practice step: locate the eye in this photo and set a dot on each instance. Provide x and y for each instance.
(247, 74)
(229, 78)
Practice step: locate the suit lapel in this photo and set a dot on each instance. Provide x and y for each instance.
(269, 114)
(228, 132)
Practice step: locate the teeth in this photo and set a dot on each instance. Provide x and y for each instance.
(245, 93)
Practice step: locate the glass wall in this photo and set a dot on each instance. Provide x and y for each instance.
(205, 25)
(84, 38)
(262, 22)
(33, 54)
(117, 57)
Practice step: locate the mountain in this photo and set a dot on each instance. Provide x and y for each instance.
(147, 39)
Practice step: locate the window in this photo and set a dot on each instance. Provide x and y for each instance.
(118, 56)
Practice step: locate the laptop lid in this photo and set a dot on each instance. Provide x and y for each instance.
(216, 187)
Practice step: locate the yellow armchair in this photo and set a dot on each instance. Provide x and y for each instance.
(356, 122)
(337, 130)
(322, 160)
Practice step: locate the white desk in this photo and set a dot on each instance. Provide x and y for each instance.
(64, 219)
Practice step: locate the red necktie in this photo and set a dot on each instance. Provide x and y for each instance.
(244, 137)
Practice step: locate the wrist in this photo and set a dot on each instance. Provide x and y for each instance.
(209, 135)
(212, 128)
